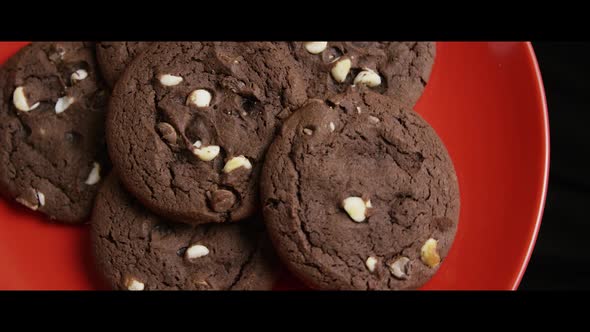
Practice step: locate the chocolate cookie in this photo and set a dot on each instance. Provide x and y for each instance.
(360, 193)
(189, 124)
(114, 57)
(137, 250)
(397, 69)
(52, 110)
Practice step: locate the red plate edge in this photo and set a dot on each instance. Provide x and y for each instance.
(541, 99)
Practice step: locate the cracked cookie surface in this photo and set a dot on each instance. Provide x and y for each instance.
(359, 193)
(136, 250)
(189, 124)
(114, 57)
(403, 68)
(52, 146)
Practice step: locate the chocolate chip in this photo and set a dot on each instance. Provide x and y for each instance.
(180, 252)
(249, 104)
(57, 53)
(72, 137)
(222, 200)
(162, 230)
(167, 132)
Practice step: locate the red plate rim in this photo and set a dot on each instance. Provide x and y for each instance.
(542, 100)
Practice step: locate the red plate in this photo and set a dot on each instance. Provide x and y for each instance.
(487, 103)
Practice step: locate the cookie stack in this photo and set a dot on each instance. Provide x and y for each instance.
(230, 157)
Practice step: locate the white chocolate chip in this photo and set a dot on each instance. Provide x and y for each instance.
(373, 119)
(196, 251)
(63, 103)
(170, 80)
(429, 254)
(399, 268)
(40, 201)
(371, 263)
(206, 153)
(368, 77)
(203, 283)
(59, 55)
(79, 75)
(358, 110)
(237, 162)
(332, 126)
(341, 69)
(307, 131)
(316, 47)
(133, 284)
(94, 175)
(40, 198)
(28, 204)
(356, 208)
(20, 100)
(200, 98)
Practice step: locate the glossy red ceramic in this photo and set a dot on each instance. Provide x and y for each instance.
(487, 103)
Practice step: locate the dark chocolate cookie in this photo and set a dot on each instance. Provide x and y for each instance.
(397, 69)
(114, 57)
(136, 250)
(189, 124)
(52, 112)
(360, 193)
